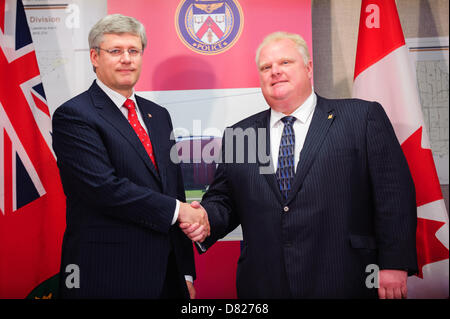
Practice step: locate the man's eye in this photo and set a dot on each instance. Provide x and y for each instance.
(115, 51)
(133, 51)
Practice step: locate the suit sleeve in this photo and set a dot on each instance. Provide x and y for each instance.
(89, 175)
(394, 194)
(184, 249)
(219, 204)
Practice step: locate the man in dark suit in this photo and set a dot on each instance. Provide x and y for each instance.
(337, 200)
(124, 193)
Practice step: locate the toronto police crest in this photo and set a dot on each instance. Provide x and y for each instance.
(209, 26)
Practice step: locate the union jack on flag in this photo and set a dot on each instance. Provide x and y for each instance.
(31, 198)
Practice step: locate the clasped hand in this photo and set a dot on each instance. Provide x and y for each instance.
(193, 220)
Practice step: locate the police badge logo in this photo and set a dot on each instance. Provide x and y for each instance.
(209, 26)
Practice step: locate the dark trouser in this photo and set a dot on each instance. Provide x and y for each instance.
(174, 286)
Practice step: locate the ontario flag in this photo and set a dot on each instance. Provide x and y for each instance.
(32, 203)
(383, 73)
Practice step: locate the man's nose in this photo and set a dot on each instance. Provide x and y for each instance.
(125, 57)
(275, 69)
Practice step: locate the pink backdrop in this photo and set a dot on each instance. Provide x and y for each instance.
(170, 65)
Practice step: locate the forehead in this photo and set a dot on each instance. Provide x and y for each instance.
(121, 39)
(278, 49)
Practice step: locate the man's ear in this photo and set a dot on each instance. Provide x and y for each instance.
(93, 53)
(309, 67)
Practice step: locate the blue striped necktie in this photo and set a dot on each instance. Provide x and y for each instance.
(286, 165)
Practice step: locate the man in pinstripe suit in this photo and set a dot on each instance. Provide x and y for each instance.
(349, 204)
(124, 195)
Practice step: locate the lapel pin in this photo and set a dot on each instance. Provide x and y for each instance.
(330, 116)
(149, 115)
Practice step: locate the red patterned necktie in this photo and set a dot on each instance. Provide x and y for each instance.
(141, 133)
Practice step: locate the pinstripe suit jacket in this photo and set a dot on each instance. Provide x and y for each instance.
(352, 204)
(119, 209)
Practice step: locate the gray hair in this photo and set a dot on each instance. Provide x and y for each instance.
(116, 23)
(299, 42)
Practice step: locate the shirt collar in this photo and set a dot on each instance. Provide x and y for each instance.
(116, 97)
(301, 113)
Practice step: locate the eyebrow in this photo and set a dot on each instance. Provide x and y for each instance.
(286, 59)
(277, 61)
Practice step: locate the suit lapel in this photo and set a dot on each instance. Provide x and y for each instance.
(154, 126)
(109, 111)
(322, 119)
(264, 169)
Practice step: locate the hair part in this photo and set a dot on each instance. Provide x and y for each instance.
(116, 24)
(299, 42)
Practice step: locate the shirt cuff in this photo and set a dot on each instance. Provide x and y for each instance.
(177, 210)
(189, 278)
(201, 246)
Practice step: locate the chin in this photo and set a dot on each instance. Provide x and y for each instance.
(281, 106)
(127, 83)
(280, 93)
(279, 98)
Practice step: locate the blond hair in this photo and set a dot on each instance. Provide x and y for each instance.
(299, 42)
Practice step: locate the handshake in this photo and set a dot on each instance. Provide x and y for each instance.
(193, 221)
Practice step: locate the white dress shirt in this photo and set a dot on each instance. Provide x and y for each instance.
(303, 114)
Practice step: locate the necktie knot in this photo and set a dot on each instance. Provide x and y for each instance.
(289, 120)
(129, 104)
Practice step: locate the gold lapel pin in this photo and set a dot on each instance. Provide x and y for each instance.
(330, 116)
(149, 115)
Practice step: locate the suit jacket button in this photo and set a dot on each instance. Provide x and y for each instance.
(286, 209)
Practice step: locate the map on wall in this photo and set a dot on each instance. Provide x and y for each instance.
(430, 57)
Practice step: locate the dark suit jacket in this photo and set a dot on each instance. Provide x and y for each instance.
(119, 208)
(352, 204)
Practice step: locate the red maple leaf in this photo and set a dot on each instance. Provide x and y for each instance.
(429, 248)
(423, 171)
(426, 181)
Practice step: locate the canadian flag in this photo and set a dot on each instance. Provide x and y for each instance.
(383, 73)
